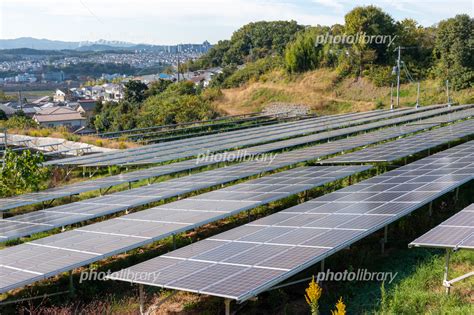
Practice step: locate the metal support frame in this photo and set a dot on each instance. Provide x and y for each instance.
(456, 195)
(449, 283)
(384, 240)
(141, 293)
(430, 209)
(227, 306)
(71, 284)
(417, 96)
(174, 241)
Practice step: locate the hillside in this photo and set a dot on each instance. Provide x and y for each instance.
(325, 93)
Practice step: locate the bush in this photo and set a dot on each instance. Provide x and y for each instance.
(21, 172)
(253, 71)
(380, 75)
(19, 122)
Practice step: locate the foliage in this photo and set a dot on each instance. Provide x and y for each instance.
(302, 54)
(157, 87)
(250, 42)
(312, 296)
(252, 71)
(178, 104)
(369, 20)
(380, 75)
(453, 51)
(3, 116)
(21, 172)
(19, 122)
(340, 308)
(135, 91)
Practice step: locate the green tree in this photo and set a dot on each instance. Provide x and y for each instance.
(453, 51)
(3, 116)
(135, 91)
(369, 20)
(302, 54)
(158, 87)
(21, 173)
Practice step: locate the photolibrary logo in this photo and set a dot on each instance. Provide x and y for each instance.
(94, 275)
(235, 156)
(357, 275)
(358, 38)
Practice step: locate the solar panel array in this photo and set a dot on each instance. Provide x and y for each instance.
(247, 260)
(60, 216)
(226, 140)
(282, 159)
(192, 147)
(401, 148)
(457, 232)
(359, 125)
(47, 219)
(42, 258)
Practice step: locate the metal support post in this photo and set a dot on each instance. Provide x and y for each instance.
(418, 96)
(227, 306)
(322, 265)
(398, 76)
(456, 195)
(141, 293)
(174, 241)
(447, 93)
(385, 234)
(446, 271)
(71, 284)
(391, 96)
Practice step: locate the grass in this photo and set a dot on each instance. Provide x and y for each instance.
(324, 92)
(422, 292)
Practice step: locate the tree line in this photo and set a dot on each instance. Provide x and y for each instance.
(442, 51)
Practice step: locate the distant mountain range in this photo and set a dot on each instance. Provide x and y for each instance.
(100, 45)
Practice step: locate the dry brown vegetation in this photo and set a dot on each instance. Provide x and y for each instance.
(326, 93)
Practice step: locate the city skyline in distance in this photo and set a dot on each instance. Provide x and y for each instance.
(186, 21)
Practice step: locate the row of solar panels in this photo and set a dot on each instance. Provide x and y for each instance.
(276, 130)
(245, 261)
(60, 216)
(359, 124)
(192, 147)
(377, 202)
(455, 233)
(51, 194)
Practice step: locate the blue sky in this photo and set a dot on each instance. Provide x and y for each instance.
(184, 21)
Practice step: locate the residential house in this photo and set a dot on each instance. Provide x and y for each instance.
(60, 116)
(85, 107)
(61, 96)
(9, 111)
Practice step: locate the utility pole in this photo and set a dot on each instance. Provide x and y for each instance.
(447, 93)
(177, 52)
(398, 77)
(418, 96)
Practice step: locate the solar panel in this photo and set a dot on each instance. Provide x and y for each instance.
(106, 238)
(192, 147)
(268, 251)
(456, 232)
(401, 148)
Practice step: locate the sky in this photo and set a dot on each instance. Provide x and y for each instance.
(191, 21)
